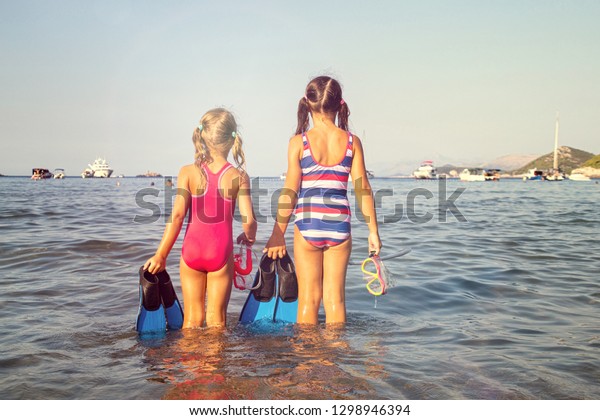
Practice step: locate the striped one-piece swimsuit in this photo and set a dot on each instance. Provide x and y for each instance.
(323, 211)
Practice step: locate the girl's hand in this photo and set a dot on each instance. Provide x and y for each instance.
(275, 247)
(374, 243)
(155, 264)
(243, 239)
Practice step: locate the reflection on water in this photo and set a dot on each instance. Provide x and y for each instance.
(505, 305)
(291, 363)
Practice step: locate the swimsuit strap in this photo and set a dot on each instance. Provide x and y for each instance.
(214, 179)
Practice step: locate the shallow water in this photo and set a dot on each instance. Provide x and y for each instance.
(502, 305)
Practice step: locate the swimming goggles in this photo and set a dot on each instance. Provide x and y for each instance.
(375, 274)
(243, 264)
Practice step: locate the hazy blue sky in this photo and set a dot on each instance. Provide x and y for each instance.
(449, 80)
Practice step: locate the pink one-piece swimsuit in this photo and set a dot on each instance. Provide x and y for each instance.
(208, 241)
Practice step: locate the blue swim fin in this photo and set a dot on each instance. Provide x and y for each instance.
(286, 308)
(173, 309)
(260, 304)
(151, 314)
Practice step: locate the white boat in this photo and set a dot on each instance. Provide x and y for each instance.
(426, 171)
(87, 173)
(283, 176)
(59, 173)
(556, 176)
(40, 173)
(534, 175)
(98, 169)
(579, 177)
(472, 175)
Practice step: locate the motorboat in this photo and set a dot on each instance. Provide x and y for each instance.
(426, 171)
(87, 173)
(534, 175)
(579, 177)
(283, 176)
(59, 173)
(555, 176)
(472, 175)
(149, 174)
(98, 169)
(40, 173)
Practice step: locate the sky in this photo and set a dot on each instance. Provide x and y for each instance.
(455, 81)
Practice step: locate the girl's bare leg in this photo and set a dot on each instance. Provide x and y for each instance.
(219, 291)
(309, 270)
(193, 287)
(335, 264)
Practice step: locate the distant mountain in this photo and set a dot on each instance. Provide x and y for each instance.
(509, 162)
(594, 162)
(569, 158)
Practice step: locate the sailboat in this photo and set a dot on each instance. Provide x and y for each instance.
(555, 174)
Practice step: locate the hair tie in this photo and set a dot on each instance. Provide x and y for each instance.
(200, 127)
(233, 134)
(342, 102)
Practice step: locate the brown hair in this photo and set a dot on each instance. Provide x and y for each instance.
(323, 94)
(217, 130)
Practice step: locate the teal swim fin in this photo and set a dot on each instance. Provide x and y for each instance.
(151, 314)
(286, 308)
(260, 304)
(173, 309)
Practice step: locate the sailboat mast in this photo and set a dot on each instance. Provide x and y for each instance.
(556, 145)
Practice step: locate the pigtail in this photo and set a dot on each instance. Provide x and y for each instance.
(303, 113)
(238, 154)
(202, 155)
(343, 115)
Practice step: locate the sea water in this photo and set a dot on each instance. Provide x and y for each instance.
(499, 299)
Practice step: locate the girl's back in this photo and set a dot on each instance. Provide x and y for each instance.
(328, 147)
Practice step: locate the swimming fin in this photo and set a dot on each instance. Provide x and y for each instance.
(260, 304)
(151, 314)
(286, 308)
(170, 302)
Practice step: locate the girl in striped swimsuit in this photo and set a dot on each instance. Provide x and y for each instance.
(320, 161)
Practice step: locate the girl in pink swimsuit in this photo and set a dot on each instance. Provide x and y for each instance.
(207, 194)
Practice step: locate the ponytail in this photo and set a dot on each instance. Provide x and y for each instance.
(343, 115)
(202, 155)
(303, 113)
(238, 154)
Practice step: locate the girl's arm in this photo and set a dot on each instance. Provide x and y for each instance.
(249, 224)
(180, 208)
(275, 247)
(364, 195)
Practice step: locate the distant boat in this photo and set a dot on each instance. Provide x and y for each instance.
(534, 175)
(98, 169)
(579, 177)
(555, 174)
(370, 174)
(149, 174)
(426, 171)
(87, 173)
(59, 173)
(40, 173)
(283, 176)
(472, 175)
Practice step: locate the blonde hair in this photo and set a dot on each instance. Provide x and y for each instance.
(217, 130)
